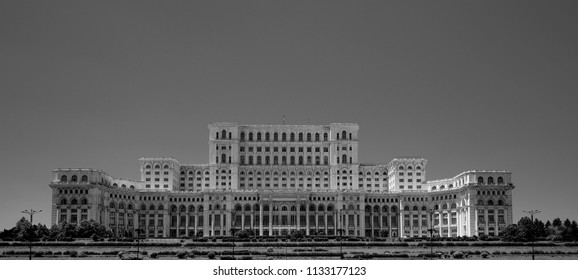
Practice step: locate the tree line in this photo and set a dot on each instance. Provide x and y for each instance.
(527, 230)
(25, 231)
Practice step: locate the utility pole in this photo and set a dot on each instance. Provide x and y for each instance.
(30, 212)
(532, 212)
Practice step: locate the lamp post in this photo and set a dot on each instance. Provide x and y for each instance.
(30, 212)
(232, 229)
(341, 232)
(431, 231)
(532, 212)
(138, 231)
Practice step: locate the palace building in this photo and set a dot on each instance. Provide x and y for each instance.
(276, 179)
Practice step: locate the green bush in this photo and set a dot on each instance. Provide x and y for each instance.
(153, 255)
(485, 255)
(211, 255)
(458, 255)
(182, 255)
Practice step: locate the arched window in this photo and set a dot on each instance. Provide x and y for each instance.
(292, 160)
(112, 205)
(317, 137)
(223, 158)
(454, 206)
(480, 202)
(423, 208)
(500, 202)
(393, 208)
(292, 136)
(267, 160)
(490, 180)
(344, 159)
(258, 160)
(182, 208)
(275, 136)
(250, 160)
(242, 159)
(312, 207)
(84, 178)
(326, 160)
(300, 160)
(500, 181)
(250, 136)
(325, 137)
(284, 160)
(63, 178)
(73, 178)
(444, 206)
(309, 162)
(490, 202)
(223, 134)
(258, 136)
(300, 136)
(152, 208)
(161, 207)
(284, 137)
(406, 208)
(317, 160)
(415, 208)
(63, 201)
(267, 136)
(480, 180)
(84, 201)
(275, 160)
(242, 136)
(308, 137)
(343, 135)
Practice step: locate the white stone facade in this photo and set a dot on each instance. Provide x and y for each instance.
(275, 179)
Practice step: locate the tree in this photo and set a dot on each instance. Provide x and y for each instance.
(540, 228)
(526, 229)
(25, 231)
(510, 233)
(557, 223)
(567, 230)
(574, 231)
(87, 229)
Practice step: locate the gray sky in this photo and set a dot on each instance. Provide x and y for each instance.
(486, 85)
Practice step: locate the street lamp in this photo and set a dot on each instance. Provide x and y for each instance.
(431, 231)
(30, 212)
(232, 228)
(532, 212)
(341, 233)
(138, 230)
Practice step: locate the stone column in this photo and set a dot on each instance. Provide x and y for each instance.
(307, 220)
(187, 221)
(270, 219)
(400, 225)
(325, 217)
(355, 222)
(261, 220)
(178, 225)
(298, 217)
(486, 230)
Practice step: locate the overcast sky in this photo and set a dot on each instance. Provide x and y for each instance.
(489, 85)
